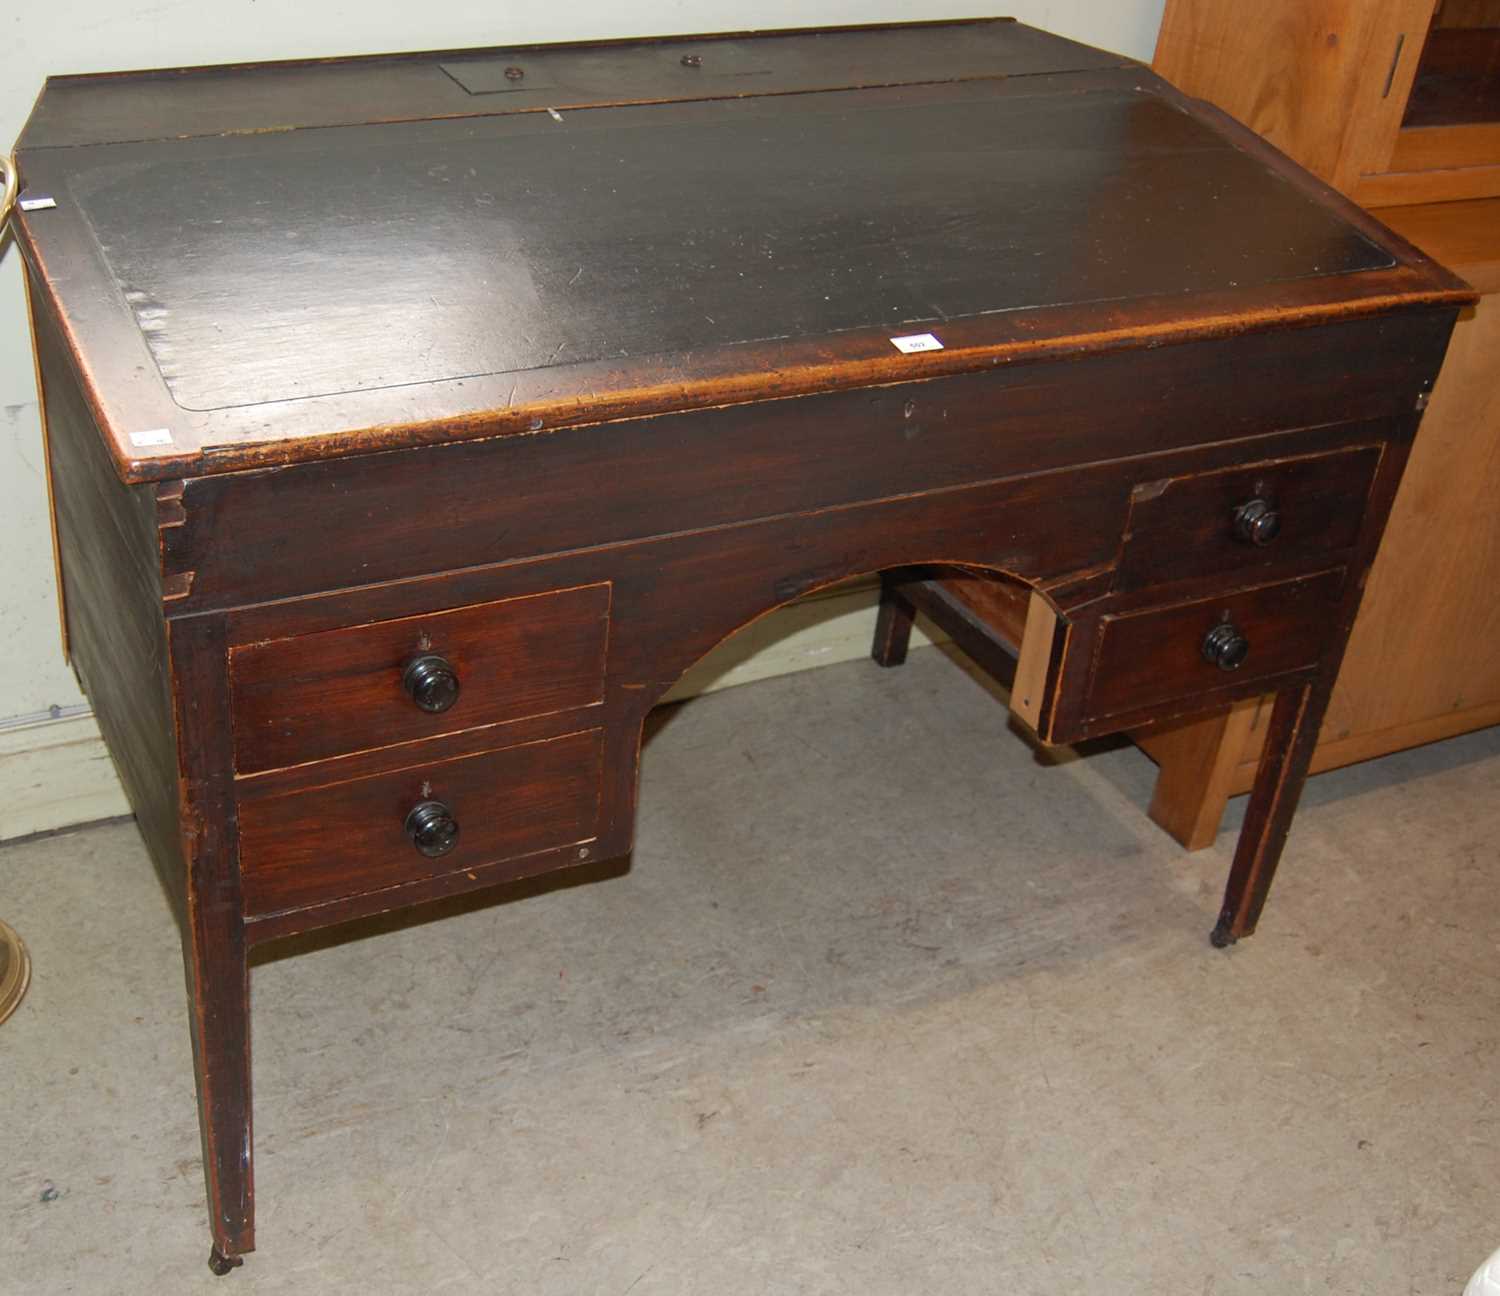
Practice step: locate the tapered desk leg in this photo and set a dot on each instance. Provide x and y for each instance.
(213, 940)
(892, 624)
(1293, 733)
(219, 1006)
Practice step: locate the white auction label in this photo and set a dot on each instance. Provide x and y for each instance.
(152, 437)
(40, 203)
(916, 342)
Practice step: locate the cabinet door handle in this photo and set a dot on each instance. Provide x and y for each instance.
(431, 681)
(1257, 522)
(432, 828)
(1225, 647)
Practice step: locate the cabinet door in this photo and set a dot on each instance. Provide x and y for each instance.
(1447, 145)
(1421, 662)
(1326, 81)
(1391, 34)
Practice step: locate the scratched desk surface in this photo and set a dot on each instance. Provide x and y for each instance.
(254, 280)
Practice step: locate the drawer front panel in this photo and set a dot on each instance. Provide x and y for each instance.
(1156, 656)
(339, 691)
(1188, 528)
(348, 839)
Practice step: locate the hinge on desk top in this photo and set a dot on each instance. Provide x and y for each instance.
(1422, 399)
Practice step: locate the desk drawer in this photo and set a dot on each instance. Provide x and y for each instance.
(1230, 521)
(347, 839)
(1154, 657)
(347, 690)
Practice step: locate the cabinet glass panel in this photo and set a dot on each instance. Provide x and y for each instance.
(1458, 78)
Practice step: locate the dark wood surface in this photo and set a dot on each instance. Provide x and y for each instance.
(1458, 79)
(183, 102)
(109, 570)
(558, 272)
(243, 538)
(573, 401)
(214, 942)
(512, 244)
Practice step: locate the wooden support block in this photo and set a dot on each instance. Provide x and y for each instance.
(1199, 761)
(1029, 691)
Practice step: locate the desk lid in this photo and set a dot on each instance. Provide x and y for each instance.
(250, 268)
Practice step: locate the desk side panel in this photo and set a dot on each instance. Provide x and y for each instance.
(109, 562)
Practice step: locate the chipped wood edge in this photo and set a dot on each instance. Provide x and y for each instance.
(41, 405)
(1028, 694)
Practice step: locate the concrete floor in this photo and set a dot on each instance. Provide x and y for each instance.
(886, 1004)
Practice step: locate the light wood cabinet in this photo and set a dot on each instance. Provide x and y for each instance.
(1392, 101)
(1397, 103)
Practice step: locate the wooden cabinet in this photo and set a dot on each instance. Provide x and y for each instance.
(1392, 101)
(1397, 103)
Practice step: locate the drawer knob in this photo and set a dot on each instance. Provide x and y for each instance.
(431, 681)
(432, 828)
(1225, 647)
(1257, 522)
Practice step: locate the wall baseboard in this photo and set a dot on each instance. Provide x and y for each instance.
(819, 631)
(58, 773)
(54, 774)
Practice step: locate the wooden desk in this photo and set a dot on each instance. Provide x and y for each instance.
(415, 422)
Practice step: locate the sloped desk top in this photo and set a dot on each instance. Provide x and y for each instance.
(292, 262)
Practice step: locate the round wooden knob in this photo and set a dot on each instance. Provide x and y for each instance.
(431, 681)
(1257, 522)
(1225, 647)
(432, 828)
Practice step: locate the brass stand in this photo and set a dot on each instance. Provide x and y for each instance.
(15, 963)
(15, 971)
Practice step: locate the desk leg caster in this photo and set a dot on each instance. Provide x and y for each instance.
(222, 1264)
(1221, 937)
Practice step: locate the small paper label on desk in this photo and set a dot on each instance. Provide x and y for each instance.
(40, 203)
(152, 437)
(916, 342)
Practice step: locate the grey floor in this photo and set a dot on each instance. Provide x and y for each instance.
(885, 1004)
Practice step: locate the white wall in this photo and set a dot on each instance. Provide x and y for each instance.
(58, 36)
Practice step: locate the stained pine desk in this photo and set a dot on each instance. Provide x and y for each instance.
(414, 422)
